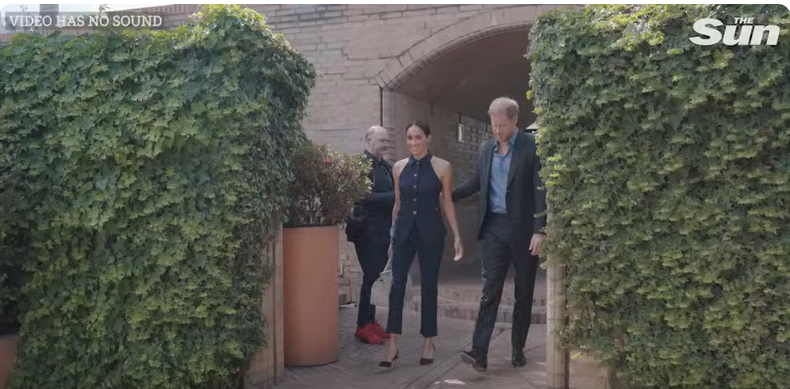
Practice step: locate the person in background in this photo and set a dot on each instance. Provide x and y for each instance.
(511, 195)
(423, 187)
(369, 230)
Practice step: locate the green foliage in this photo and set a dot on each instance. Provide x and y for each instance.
(668, 173)
(13, 252)
(153, 168)
(326, 185)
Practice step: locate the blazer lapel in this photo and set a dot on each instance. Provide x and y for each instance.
(515, 159)
(487, 155)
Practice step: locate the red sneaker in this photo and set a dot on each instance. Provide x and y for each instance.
(366, 335)
(378, 330)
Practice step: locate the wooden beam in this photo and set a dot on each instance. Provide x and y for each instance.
(557, 363)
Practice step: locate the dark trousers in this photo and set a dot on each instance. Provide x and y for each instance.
(372, 256)
(498, 253)
(430, 259)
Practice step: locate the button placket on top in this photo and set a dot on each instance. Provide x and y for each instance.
(416, 180)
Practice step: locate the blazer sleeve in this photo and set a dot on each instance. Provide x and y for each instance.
(383, 199)
(472, 184)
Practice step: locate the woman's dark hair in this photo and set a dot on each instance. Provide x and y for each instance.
(421, 125)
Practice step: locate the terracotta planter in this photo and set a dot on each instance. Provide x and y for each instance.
(7, 357)
(311, 324)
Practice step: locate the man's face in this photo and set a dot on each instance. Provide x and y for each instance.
(378, 143)
(502, 127)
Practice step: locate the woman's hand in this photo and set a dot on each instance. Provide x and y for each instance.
(459, 250)
(446, 176)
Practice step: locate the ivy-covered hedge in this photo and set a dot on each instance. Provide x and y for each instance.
(667, 167)
(154, 166)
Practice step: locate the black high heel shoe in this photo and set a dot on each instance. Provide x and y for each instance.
(428, 361)
(390, 363)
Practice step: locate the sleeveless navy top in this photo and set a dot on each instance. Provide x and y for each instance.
(420, 190)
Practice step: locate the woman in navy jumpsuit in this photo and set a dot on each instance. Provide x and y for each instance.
(423, 189)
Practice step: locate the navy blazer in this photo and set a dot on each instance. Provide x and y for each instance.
(525, 196)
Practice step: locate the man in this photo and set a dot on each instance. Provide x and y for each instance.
(511, 194)
(369, 229)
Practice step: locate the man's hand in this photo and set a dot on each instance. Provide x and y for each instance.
(536, 243)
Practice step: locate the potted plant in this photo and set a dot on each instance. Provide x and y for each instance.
(325, 187)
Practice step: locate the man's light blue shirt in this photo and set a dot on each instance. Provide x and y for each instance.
(500, 166)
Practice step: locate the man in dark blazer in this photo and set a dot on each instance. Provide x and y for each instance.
(511, 223)
(369, 229)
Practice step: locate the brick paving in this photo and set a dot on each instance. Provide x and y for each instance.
(358, 363)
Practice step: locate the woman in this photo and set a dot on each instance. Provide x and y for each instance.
(423, 185)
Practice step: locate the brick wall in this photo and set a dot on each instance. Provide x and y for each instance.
(358, 48)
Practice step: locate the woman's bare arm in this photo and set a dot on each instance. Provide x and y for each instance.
(446, 178)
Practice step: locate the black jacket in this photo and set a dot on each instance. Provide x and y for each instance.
(374, 213)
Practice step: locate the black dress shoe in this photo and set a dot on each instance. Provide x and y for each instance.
(518, 359)
(476, 359)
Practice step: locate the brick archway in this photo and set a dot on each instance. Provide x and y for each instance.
(462, 32)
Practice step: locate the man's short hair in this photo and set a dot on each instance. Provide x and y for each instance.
(372, 130)
(506, 105)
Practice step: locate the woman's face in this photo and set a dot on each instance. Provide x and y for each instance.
(416, 141)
